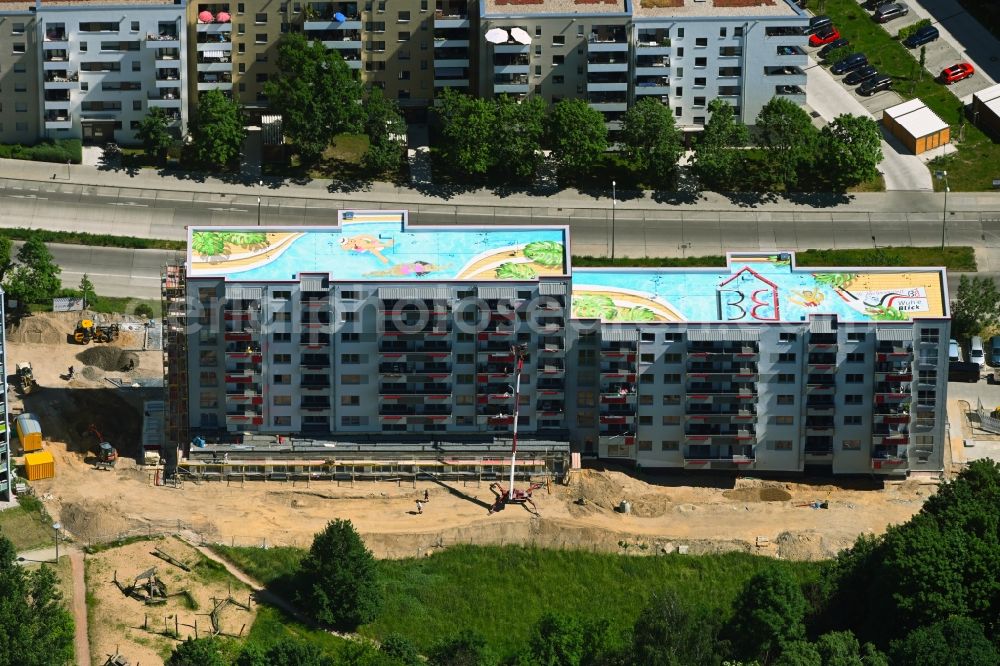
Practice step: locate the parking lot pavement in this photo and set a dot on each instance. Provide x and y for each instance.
(984, 444)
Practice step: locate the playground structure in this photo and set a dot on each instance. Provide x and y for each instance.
(146, 587)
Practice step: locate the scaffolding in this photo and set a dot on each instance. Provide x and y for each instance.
(173, 290)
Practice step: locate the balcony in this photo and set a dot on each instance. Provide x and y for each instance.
(164, 40)
(56, 56)
(510, 83)
(458, 38)
(789, 51)
(608, 40)
(168, 98)
(888, 459)
(55, 37)
(56, 79)
(743, 454)
(213, 81)
(452, 16)
(652, 42)
(711, 349)
(58, 120)
(888, 416)
(219, 42)
(652, 85)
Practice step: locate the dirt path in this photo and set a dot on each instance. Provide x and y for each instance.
(80, 638)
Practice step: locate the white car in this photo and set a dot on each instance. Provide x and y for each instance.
(954, 352)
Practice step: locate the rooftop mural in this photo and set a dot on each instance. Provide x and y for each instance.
(757, 288)
(378, 245)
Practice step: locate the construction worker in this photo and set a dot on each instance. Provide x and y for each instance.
(420, 507)
(70, 376)
(426, 496)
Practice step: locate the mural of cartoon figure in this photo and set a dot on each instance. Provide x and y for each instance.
(411, 269)
(366, 243)
(807, 298)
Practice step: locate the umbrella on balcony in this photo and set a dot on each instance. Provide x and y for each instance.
(520, 35)
(338, 17)
(223, 17)
(496, 36)
(205, 17)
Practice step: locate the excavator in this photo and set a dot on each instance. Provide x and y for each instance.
(87, 330)
(27, 377)
(107, 455)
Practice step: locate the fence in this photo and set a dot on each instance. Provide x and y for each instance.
(987, 422)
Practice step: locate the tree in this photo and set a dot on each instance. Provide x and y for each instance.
(955, 640)
(295, 653)
(718, 158)
(652, 141)
(216, 131)
(35, 278)
(667, 633)
(577, 134)
(839, 648)
(852, 149)
(468, 128)
(976, 306)
(786, 134)
(518, 134)
(87, 289)
(386, 132)
(198, 652)
(400, 649)
(768, 613)
(557, 640)
(339, 578)
(6, 247)
(154, 132)
(798, 653)
(316, 93)
(467, 648)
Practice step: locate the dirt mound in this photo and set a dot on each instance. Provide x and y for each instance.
(87, 521)
(765, 494)
(108, 357)
(91, 373)
(37, 330)
(650, 506)
(808, 545)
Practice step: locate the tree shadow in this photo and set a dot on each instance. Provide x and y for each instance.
(750, 199)
(820, 199)
(677, 197)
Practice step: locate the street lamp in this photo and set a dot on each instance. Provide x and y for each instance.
(943, 175)
(614, 201)
(261, 183)
(56, 527)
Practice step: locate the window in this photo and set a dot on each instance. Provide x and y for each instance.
(350, 359)
(136, 66)
(701, 62)
(786, 357)
(647, 358)
(558, 60)
(282, 420)
(669, 445)
(240, 8)
(671, 337)
(855, 357)
(260, 18)
(853, 399)
(927, 377)
(856, 336)
(701, 41)
(241, 28)
(680, 33)
(350, 379)
(930, 335)
(261, 57)
(282, 379)
(671, 399)
(671, 358)
(782, 445)
(464, 400)
(281, 358)
(350, 421)
(786, 399)
(557, 40)
(786, 337)
(348, 316)
(585, 399)
(700, 81)
(260, 38)
(135, 26)
(403, 17)
(722, 32)
(282, 316)
(679, 92)
(679, 111)
(241, 48)
(558, 79)
(738, 32)
(668, 420)
(17, 29)
(23, 87)
(855, 379)
(851, 445)
(699, 102)
(208, 400)
(261, 77)
(404, 36)
(680, 52)
(648, 337)
(281, 337)
(645, 379)
(645, 400)
(672, 379)
(281, 400)
(784, 378)
(350, 401)
(464, 379)
(18, 47)
(350, 337)
(404, 75)
(646, 420)
(784, 420)
(852, 420)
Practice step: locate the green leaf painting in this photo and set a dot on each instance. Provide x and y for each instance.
(594, 307)
(245, 238)
(635, 314)
(886, 313)
(208, 243)
(546, 253)
(835, 280)
(512, 271)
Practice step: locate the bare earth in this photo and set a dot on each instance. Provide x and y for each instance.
(706, 514)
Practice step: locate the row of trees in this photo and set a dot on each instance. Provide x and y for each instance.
(976, 308)
(31, 277)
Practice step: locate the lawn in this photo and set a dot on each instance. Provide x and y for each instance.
(501, 592)
(27, 526)
(975, 165)
(107, 304)
(958, 258)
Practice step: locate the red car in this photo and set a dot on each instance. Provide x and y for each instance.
(962, 70)
(824, 36)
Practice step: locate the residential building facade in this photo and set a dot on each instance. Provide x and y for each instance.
(373, 334)
(19, 86)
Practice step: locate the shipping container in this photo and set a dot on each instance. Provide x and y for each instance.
(40, 465)
(29, 431)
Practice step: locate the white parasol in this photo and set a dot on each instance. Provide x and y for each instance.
(520, 35)
(496, 36)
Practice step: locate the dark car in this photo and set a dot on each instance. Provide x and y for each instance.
(860, 74)
(886, 13)
(925, 35)
(850, 63)
(872, 5)
(833, 46)
(963, 372)
(875, 84)
(817, 23)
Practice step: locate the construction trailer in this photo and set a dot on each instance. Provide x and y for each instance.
(39, 465)
(29, 431)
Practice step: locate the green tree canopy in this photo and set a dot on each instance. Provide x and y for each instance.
(975, 307)
(955, 640)
(667, 633)
(768, 613)
(401, 649)
(35, 278)
(316, 94)
(851, 147)
(6, 260)
(518, 134)
(718, 160)
(577, 134)
(87, 290)
(466, 648)
(468, 128)
(789, 141)
(386, 132)
(557, 640)
(651, 141)
(154, 132)
(339, 578)
(217, 131)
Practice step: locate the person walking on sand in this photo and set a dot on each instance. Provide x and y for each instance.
(426, 496)
(420, 507)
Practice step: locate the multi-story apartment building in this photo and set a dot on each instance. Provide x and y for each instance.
(103, 66)
(374, 334)
(19, 87)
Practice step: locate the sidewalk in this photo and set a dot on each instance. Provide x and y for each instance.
(184, 187)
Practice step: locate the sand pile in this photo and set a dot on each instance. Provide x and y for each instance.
(107, 357)
(37, 330)
(608, 489)
(808, 545)
(88, 521)
(765, 494)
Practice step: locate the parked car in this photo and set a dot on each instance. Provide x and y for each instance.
(976, 354)
(886, 13)
(824, 36)
(849, 63)
(963, 372)
(860, 75)
(875, 84)
(817, 23)
(872, 5)
(956, 73)
(954, 351)
(925, 35)
(995, 351)
(835, 44)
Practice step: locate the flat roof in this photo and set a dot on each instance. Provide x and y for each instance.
(990, 98)
(916, 118)
(503, 8)
(758, 288)
(711, 8)
(378, 246)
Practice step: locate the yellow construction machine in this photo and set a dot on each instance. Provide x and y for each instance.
(87, 330)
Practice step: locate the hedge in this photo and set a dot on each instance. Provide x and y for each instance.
(60, 151)
(910, 29)
(95, 240)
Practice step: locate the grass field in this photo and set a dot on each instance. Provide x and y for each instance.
(959, 258)
(501, 592)
(27, 526)
(975, 165)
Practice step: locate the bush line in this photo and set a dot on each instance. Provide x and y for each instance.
(98, 240)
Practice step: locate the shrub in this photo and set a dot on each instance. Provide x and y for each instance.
(143, 310)
(910, 29)
(59, 151)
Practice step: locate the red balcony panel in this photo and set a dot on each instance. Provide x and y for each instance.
(237, 337)
(629, 441)
(257, 400)
(258, 420)
(392, 355)
(237, 379)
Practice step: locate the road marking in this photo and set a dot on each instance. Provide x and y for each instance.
(28, 196)
(113, 275)
(129, 203)
(231, 210)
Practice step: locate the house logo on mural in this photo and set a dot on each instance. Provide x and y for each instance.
(747, 296)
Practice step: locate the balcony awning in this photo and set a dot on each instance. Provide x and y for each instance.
(819, 324)
(498, 293)
(619, 334)
(395, 293)
(213, 54)
(723, 334)
(894, 334)
(551, 288)
(234, 292)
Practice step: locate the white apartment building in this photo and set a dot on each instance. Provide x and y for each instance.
(104, 65)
